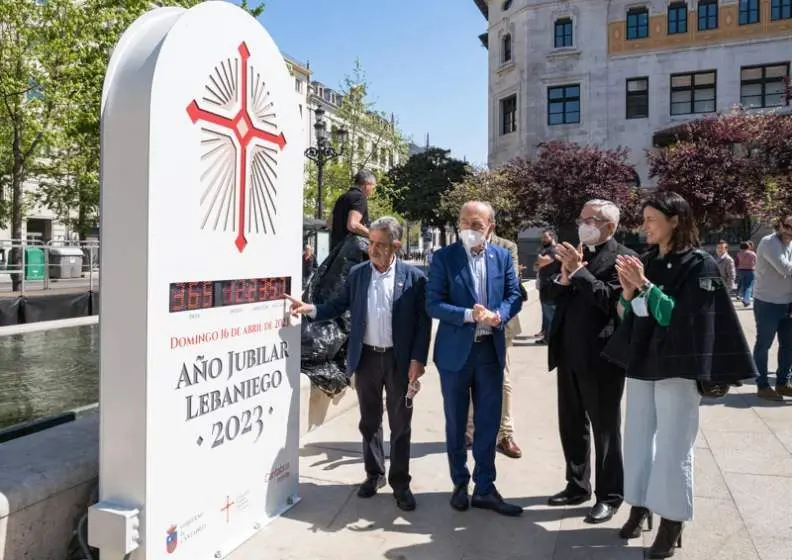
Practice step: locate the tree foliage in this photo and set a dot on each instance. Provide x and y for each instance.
(364, 123)
(731, 166)
(492, 186)
(552, 188)
(420, 183)
(53, 58)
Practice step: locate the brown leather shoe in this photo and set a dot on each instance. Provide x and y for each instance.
(509, 448)
(784, 390)
(769, 394)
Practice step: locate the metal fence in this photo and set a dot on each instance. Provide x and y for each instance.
(30, 266)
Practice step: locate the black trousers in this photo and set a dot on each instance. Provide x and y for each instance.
(377, 370)
(590, 403)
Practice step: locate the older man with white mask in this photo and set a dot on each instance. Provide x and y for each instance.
(589, 388)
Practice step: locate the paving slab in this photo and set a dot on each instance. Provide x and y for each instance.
(743, 493)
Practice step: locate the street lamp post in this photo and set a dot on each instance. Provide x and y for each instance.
(322, 153)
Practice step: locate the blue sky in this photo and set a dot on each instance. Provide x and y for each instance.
(423, 60)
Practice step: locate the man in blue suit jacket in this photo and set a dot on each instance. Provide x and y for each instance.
(388, 346)
(474, 292)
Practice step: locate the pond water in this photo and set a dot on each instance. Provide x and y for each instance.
(47, 372)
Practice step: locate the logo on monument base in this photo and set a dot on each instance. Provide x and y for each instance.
(240, 148)
(171, 539)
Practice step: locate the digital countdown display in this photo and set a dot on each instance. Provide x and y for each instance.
(194, 296)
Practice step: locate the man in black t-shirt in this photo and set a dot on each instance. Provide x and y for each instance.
(350, 213)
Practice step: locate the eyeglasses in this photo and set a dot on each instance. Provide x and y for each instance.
(593, 221)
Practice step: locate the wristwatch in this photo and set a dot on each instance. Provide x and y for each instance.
(645, 287)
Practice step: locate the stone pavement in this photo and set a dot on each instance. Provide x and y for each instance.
(743, 487)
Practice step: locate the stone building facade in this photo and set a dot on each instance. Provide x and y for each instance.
(615, 72)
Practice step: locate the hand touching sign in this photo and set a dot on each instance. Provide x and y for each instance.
(298, 307)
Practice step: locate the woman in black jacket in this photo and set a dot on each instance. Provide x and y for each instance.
(673, 304)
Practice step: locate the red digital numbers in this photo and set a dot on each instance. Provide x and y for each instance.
(194, 296)
(191, 296)
(208, 294)
(177, 297)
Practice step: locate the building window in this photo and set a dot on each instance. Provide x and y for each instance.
(749, 12)
(763, 86)
(508, 114)
(563, 104)
(637, 98)
(677, 18)
(563, 33)
(707, 14)
(298, 85)
(693, 93)
(781, 9)
(506, 48)
(637, 23)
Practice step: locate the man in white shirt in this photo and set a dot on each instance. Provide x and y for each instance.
(773, 309)
(387, 348)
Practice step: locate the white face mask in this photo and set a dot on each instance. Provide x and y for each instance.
(471, 238)
(588, 234)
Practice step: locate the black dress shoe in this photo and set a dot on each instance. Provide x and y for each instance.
(404, 499)
(568, 497)
(370, 486)
(495, 502)
(459, 499)
(600, 513)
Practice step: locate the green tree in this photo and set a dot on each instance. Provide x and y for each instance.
(69, 181)
(492, 186)
(39, 50)
(374, 142)
(421, 182)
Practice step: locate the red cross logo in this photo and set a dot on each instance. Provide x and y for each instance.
(227, 508)
(239, 158)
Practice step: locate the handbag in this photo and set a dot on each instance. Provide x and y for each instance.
(523, 292)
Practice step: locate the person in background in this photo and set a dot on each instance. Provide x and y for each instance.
(546, 256)
(725, 265)
(506, 443)
(745, 263)
(350, 212)
(589, 387)
(308, 262)
(387, 348)
(773, 309)
(680, 337)
(474, 293)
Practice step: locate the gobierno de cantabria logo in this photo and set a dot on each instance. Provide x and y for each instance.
(240, 145)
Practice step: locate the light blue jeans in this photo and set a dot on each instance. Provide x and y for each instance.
(660, 429)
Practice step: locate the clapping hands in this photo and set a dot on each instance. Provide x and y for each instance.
(631, 274)
(569, 256)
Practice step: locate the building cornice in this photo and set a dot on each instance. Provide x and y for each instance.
(483, 7)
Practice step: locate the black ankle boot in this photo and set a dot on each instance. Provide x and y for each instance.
(632, 529)
(669, 538)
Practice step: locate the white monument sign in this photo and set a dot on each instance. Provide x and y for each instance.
(201, 224)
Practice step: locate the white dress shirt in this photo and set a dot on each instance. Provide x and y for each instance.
(379, 319)
(478, 268)
(379, 308)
